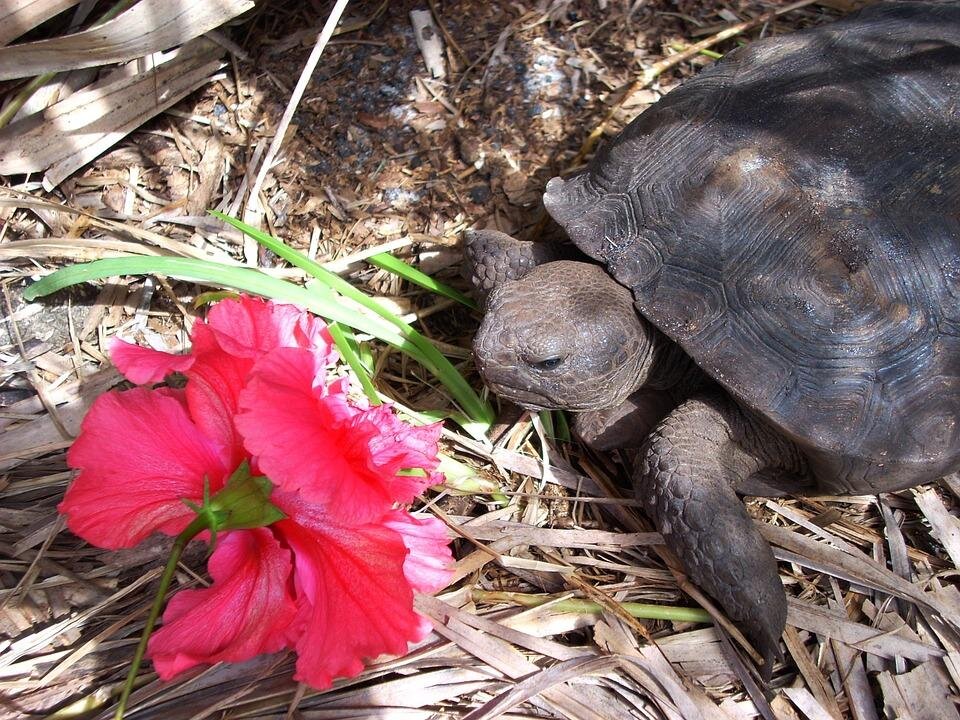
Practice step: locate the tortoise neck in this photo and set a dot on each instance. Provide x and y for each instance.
(667, 366)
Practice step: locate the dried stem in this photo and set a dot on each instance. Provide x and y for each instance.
(577, 605)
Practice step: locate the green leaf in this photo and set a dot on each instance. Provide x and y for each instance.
(339, 335)
(214, 273)
(555, 425)
(346, 343)
(390, 330)
(213, 296)
(411, 274)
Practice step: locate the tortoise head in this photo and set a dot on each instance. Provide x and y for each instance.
(565, 335)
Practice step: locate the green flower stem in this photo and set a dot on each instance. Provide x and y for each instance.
(588, 607)
(198, 525)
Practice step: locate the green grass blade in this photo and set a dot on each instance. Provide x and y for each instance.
(388, 262)
(339, 335)
(476, 409)
(213, 273)
(561, 426)
(346, 344)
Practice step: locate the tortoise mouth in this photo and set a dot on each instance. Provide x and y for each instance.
(535, 402)
(524, 398)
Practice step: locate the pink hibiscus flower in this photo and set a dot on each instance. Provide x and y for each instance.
(334, 578)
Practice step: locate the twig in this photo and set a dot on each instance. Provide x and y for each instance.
(253, 202)
(451, 41)
(430, 42)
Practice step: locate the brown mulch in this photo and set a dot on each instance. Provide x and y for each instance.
(381, 155)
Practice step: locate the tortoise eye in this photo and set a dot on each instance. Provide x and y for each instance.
(549, 363)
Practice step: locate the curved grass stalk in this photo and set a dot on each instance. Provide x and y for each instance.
(401, 336)
(476, 409)
(388, 262)
(645, 611)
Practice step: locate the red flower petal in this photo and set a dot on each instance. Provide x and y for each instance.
(144, 365)
(235, 334)
(247, 611)
(139, 455)
(341, 456)
(300, 444)
(401, 445)
(428, 563)
(248, 327)
(213, 389)
(354, 599)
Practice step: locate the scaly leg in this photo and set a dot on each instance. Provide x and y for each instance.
(626, 425)
(689, 469)
(492, 257)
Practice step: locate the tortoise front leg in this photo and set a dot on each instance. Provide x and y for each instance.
(689, 469)
(492, 257)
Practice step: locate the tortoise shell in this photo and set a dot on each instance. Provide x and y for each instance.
(791, 218)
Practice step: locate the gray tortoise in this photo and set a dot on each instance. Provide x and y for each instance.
(774, 304)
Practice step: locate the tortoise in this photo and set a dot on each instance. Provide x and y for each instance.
(769, 301)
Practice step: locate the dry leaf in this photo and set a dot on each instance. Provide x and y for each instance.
(917, 695)
(19, 16)
(168, 23)
(71, 133)
(946, 527)
(830, 624)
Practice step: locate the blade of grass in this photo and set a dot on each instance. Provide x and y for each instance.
(253, 281)
(338, 334)
(588, 607)
(546, 418)
(388, 262)
(346, 344)
(476, 409)
(212, 273)
(561, 426)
